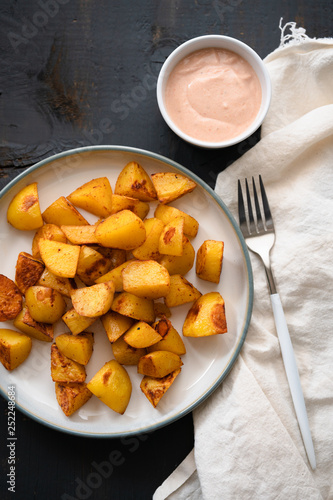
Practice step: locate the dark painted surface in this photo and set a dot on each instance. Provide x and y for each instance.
(75, 73)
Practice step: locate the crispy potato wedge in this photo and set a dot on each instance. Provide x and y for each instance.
(119, 202)
(141, 335)
(60, 258)
(63, 213)
(75, 322)
(115, 275)
(209, 260)
(134, 181)
(155, 388)
(45, 304)
(112, 386)
(94, 196)
(28, 271)
(65, 286)
(93, 301)
(150, 247)
(47, 232)
(72, 396)
(171, 238)
(10, 299)
(26, 324)
(135, 307)
(146, 278)
(206, 317)
(126, 354)
(171, 186)
(64, 369)
(181, 291)
(170, 338)
(179, 264)
(24, 211)
(159, 363)
(14, 348)
(91, 265)
(80, 235)
(123, 230)
(166, 213)
(115, 325)
(79, 347)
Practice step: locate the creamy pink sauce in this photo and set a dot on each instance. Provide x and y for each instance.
(213, 95)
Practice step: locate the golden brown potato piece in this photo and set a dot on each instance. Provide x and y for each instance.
(47, 232)
(206, 317)
(71, 396)
(170, 341)
(159, 363)
(171, 186)
(80, 235)
(115, 275)
(134, 181)
(79, 347)
(91, 265)
(93, 301)
(209, 260)
(60, 258)
(65, 286)
(63, 213)
(10, 299)
(28, 271)
(171, 239)
(14, 348)
(150, 247)
(119, 202)
(94, 196)
(135, 307)
(45, 304)
(161, 310)
(115, 325)
(126, 354)
(181, 291)
(155, 388)
(141, 335)
(75, 322)
(115, 256)
(64, 369)
(112, 386)
(146, 278)
(166, 213)
(26, 324)
(123, 230)
(24, 210)
(179, 264)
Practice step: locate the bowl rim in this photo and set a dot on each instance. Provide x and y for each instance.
(232, 44)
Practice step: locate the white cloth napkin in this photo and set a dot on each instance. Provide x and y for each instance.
(247, 441)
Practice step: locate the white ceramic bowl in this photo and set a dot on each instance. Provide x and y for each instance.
(221, 42)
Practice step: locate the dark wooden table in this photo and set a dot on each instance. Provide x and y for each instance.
(77, 73)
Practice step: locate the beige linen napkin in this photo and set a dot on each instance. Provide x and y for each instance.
(247, 441)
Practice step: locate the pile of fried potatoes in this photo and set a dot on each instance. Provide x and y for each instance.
(125, 269)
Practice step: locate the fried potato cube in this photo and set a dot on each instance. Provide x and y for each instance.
(135, 307)
(115, 275)
(60, 258)
(26, 324)
(64, 369)
(47, 232)
(171, 186)
(91, 265)
(141, 335)
(123, 230)
(115, 325)
(10, 299)
(79, 347)
(209, 260)
(150, 247)
(45, 304)
(170, 338)
(134, 181)
(179, 264)
(63, 213)
(159, 363)
(93, 301)
(171, 239)
(75, 322)
(80, 235)
(126, 354)
(206, 317)
(28, 271)
(161, 310)
(65, 286)
(154, 388)
(24, 211)
(115, 256)
(181, 291)
(94, 196)
(14, 348)
(119, 202)
(72, 396)
(112, 386)
(166, 213)
(146, 278)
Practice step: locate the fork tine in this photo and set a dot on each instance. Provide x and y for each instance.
(260, 224)
(252, 225)
(268, 216)
(241, 208)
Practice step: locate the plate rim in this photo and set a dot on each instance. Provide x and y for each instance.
(218, 199)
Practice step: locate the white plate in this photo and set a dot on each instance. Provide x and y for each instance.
(207, 361)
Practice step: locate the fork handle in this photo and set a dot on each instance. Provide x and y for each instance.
(290, 365)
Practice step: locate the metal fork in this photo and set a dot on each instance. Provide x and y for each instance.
(259, 235)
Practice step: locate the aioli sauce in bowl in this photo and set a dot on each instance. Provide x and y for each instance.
(213, 95)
